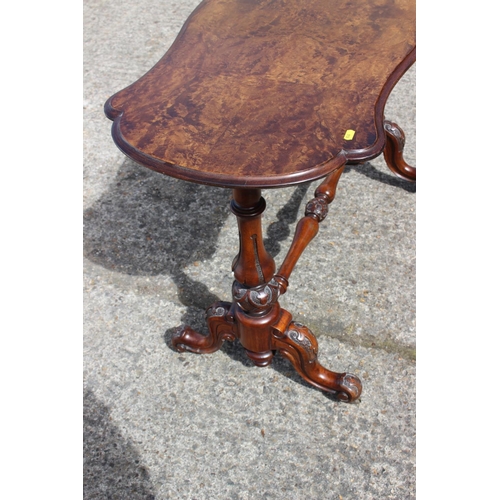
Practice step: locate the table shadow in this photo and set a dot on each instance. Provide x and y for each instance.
(148, 224)
(111, 464)
(368, 170)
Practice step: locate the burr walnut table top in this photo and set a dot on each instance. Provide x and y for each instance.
(263, 93)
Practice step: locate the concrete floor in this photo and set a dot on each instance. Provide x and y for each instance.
(159, 424)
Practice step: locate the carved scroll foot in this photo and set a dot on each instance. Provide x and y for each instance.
(300, 347)
(221, 328)
(393, 152)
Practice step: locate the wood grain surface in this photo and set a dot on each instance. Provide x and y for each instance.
(260, 93)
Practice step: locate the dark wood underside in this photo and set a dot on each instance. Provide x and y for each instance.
(260, 93)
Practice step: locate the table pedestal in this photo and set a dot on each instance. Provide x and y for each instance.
(255, 317)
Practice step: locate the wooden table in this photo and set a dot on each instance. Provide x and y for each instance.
(260, 94)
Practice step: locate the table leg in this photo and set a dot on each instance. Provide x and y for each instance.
(255, 317)
(393, 152)
(298, 344)
(220, 326)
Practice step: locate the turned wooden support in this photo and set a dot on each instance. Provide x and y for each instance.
(307, 227)
(253, 265)
(255, 293)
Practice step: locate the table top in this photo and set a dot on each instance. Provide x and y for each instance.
(267, 93)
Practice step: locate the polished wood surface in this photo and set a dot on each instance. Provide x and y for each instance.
(262, 93)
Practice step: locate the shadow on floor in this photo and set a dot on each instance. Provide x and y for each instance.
(371, 172)
(111, 465)
(150, 224)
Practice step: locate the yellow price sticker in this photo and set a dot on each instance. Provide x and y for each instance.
(349, 134)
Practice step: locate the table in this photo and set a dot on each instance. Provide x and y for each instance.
(258, 94)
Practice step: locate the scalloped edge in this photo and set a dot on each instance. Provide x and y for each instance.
(310, 174)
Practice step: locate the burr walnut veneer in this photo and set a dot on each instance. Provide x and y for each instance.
(260, 94)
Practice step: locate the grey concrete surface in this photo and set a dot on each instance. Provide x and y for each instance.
(157, 252)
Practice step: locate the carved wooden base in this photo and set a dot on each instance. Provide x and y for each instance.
(220, 325)
(393, 152)
(255, 317)
(292, 340)
(300, 347)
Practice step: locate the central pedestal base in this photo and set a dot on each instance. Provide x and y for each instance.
(255, 317)
(273, 332)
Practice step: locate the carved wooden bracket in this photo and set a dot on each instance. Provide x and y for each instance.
(393, 152)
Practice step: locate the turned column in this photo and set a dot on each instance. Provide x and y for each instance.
(255, 292)
(252, 266)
